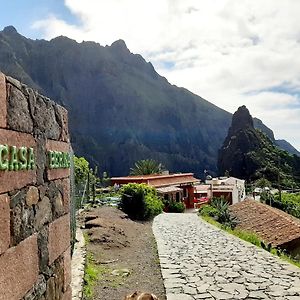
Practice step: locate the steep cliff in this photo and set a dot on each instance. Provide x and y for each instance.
(250, 154)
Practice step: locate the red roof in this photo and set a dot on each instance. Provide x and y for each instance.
(158, 180)
(270, 224)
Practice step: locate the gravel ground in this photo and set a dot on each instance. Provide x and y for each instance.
(125, 252)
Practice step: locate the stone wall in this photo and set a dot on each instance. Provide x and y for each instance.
(35, 259)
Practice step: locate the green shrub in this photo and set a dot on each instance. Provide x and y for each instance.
(175, 207)
(290, 203)
(219, 210)
(208, 210)
(140, 201)
(154, 206)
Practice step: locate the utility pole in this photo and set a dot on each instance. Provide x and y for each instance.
(279, 184)
(88, 187)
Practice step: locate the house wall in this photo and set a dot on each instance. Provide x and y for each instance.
(226, 195)
(34, 198)
(235, 195)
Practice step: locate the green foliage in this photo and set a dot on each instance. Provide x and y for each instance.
(208, 210)
(105, 179)
(219, 210)
(81, 169)
(262, 183)
(91, 274)
(154, 206)
(290, 203)
(175, 207)
(140, 201)
(266, 197)
(146, 167)
(247, 236)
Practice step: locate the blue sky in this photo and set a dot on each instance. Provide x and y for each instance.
(229, 52)
(23, 13)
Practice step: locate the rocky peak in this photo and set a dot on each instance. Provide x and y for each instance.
(241, 119)
(119, 46)
(10, 30)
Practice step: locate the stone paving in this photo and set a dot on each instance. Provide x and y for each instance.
(199, 261)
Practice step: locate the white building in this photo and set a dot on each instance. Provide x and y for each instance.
(231, 188)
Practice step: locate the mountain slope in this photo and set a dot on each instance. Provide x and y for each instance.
(120, 109)
(250, 154)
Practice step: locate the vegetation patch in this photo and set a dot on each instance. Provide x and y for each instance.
(218, 209)
(290, 203)
(91, 275)
(95, 273)
(174, 207)
(140, 201)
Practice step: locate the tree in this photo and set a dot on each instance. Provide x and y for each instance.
(146, 167)
(81, 169)
(263, 183)
(140, 201)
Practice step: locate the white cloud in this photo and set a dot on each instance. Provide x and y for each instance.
(230, 52)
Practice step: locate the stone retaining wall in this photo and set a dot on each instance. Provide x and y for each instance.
(35, 261)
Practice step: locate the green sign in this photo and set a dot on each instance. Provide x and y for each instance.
(59, 160)
(14, 158)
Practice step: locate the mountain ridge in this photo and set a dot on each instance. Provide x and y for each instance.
(118, 103)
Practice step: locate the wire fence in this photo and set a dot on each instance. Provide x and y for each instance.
(88, 193)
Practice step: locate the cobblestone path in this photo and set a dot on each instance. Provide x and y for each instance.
(199, 261)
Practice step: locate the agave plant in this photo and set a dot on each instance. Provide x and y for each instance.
(146, 167)
(223, 216)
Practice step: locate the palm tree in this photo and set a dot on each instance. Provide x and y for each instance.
(146, 167)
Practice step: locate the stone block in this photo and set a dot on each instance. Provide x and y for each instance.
(57, 146)
(18, 114)
(67, 269)
(66, 194)
(55, 284)
(41, 161)
(62, 147)
(4, 223)
(32, 196)
(37, 292)
(54, 193)
(62, 117)
(43, 213)
(19, 269)
(59, 237)
(3, 101)
(22, 218)
(43, 250)
(11, 180)
(44, 117)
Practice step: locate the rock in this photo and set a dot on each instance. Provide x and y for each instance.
(45, 119)
(120, 272)
(58, 206)
(19, 117)
(32, 196)
(43, 213)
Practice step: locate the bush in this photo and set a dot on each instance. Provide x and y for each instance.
(140, 201)
(175, 207)
(219, 210)
(290, 203)
(208, 210)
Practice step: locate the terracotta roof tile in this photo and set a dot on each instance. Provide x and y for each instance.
(270, 224)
